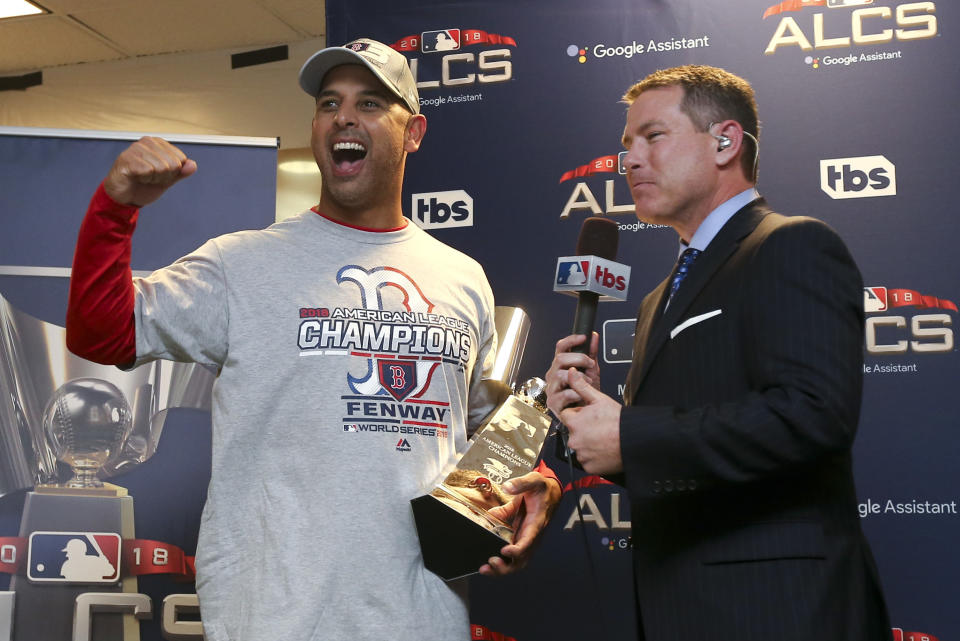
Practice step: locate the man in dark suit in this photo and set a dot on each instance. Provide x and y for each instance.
(742, 401)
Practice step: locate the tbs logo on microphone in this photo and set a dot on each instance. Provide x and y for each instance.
(442, 209)
(577, 274)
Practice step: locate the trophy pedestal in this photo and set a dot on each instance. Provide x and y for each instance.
(437, 525)
(45, 610)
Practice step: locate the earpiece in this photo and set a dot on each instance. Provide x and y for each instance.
(724, 142)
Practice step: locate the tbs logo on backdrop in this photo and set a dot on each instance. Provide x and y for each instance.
(862, 177)
(442, 209)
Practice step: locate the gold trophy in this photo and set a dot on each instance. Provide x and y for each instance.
(456, 530)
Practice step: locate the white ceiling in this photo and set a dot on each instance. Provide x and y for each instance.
(77, 31)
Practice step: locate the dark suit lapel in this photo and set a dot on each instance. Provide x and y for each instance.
(650, 310)
(653, 325)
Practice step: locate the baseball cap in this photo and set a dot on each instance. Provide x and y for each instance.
(387, 64)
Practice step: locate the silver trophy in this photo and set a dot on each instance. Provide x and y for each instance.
(98, 419)
(37, 373)
(87, 421)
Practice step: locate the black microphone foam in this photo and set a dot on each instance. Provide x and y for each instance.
(598, 237)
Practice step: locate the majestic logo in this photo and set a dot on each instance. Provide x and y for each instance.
(442, 209)
(928, 332)
(862, 177)
(74, 557)
(403, 445)
(866, 26)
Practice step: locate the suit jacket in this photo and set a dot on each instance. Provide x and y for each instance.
(741, 407)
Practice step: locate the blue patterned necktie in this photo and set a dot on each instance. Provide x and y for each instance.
(683, 267)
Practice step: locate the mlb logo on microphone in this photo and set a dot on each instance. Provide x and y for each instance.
(573, 272)
(74, 557)
(577, 274)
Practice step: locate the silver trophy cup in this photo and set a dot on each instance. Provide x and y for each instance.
(87, 421)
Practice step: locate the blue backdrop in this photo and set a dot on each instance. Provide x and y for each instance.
(856, 100)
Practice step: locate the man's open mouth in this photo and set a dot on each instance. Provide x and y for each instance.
(346, 154)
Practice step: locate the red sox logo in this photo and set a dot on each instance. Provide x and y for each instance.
(400, 376)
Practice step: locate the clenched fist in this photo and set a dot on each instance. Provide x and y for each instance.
(145, 170)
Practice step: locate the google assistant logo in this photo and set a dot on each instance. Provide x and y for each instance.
(813, 62)
(577, 52)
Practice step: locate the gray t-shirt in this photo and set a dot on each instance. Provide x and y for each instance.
(346, 359)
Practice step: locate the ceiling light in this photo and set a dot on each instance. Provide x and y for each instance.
(15, 8)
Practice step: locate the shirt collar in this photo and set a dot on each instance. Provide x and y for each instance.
(716, 219)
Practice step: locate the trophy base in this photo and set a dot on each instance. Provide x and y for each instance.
(45, 610)
(107, 489)
(438, 524)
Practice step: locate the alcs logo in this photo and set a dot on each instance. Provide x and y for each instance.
(442, 209)
(861, 177)
(929, 333)
(460, 67)
(583, 199)
(868, 26)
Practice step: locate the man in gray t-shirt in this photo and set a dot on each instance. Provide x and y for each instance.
(349, 346)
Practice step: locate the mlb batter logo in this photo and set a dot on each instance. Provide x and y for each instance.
(74, 557)
(874, 299)
(399, 378)
(441, 40)
(573, 272)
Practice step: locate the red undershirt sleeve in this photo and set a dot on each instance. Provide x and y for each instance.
(100, 320)
(547, 472)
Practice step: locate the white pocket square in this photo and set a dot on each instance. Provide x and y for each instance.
(693, 321)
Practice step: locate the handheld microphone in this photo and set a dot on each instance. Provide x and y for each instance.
(592, 275)
(598, 237)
